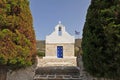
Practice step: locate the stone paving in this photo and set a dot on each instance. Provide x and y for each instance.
(56, 62)
(57, 72)
(62, 72)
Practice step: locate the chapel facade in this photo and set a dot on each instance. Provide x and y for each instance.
(60, 47)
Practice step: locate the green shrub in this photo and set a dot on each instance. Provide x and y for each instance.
(17, 37)
(40, 54)
(101, 39)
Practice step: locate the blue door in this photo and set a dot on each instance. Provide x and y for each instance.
(60, 51)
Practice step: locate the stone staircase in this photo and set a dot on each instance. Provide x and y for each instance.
(61, 70)
(57, 73)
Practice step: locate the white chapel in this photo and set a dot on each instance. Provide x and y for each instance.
(60, 48)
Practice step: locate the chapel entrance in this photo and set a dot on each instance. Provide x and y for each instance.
(60, 51)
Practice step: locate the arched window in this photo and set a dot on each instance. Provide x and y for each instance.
(60, 31)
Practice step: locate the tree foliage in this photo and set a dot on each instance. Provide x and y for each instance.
(101, 39)
(17, 37)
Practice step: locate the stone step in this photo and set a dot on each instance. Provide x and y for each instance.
(57, 73)
(57, 77)
(57, 70)
(71, 61)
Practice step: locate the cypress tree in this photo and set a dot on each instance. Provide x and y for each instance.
(101, 39)
(17, 37)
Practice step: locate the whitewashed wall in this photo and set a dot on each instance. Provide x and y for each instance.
(64, 38)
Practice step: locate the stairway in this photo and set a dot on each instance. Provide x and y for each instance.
(57, 73)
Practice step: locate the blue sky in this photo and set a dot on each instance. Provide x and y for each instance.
(47, 13)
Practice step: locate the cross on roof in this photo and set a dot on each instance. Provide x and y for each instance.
(59, 22)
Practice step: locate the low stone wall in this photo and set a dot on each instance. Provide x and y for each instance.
(46, 61)
(3, 72)
(22, 74)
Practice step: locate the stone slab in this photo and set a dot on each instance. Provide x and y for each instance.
(52, 61)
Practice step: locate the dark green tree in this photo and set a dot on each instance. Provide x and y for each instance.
(17, 37)
(101, 39)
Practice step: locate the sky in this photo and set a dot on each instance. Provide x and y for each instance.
(47, 13)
